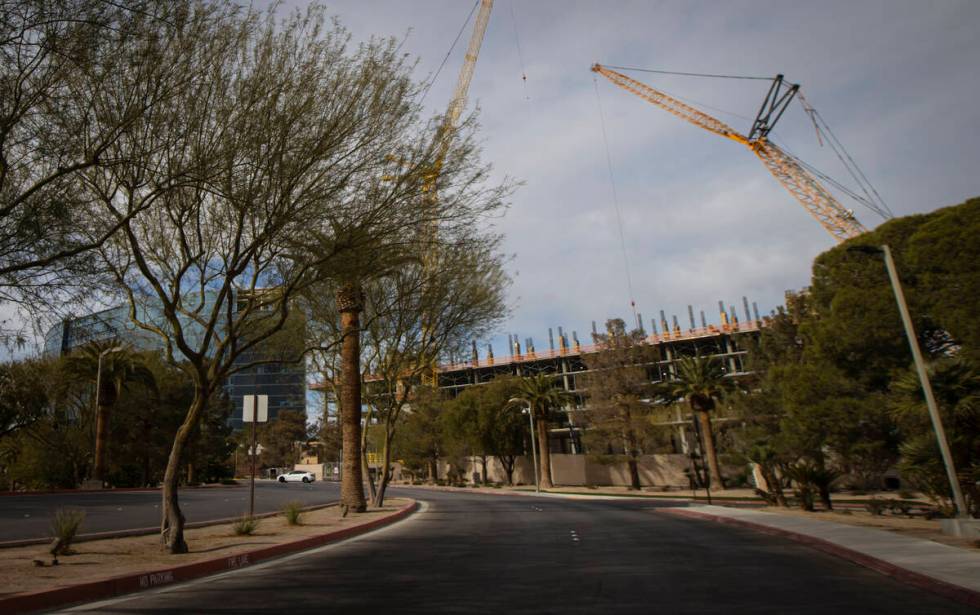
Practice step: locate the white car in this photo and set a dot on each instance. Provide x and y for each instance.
(297, 476)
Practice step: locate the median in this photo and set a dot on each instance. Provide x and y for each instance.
(99, 569)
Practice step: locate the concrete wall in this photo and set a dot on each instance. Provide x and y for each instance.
(317, 469)
(580, 470)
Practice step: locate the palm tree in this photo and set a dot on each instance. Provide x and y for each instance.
(542, 396)
(113, 368)
(701, 381)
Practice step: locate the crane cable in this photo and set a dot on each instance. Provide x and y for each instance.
(428, 86)
(520, 55)
(672, 72)
(871, 199)
(615, 200)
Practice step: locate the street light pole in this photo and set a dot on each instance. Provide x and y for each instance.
(534, 448)
(920, 367)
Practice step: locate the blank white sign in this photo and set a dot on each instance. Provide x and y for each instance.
(249, 409)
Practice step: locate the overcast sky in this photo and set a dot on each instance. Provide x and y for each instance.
(702, 218)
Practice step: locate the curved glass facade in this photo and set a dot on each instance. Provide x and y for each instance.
(284, 383)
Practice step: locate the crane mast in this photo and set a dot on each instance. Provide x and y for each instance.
(834, 217)
(444, 138)
(447, 130)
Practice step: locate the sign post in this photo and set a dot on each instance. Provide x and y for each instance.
(255, 409)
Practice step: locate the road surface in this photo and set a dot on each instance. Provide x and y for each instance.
(476, 553)
(29, 516)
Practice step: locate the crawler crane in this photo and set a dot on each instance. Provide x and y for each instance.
(821, 204)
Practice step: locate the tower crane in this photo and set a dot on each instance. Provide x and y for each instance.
(447, 130)
(821, 204)
(444, 138)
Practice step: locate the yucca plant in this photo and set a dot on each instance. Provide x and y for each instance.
(801, 473)
(292, 511)
(245, 526)
(64, 527)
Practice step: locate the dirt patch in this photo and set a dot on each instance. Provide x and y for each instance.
(104, 559)
(914, 528)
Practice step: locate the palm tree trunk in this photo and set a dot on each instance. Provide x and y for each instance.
(714, 469)
(544, 454)
(101, 440)
(349, 304)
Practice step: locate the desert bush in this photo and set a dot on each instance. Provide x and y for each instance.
(64, 528)
(245, 526)
(292, 512)
(876, 506)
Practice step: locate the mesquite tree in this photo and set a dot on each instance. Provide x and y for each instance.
(424, 312)
(75, 77)
(405, 232)
(259, 179)
(619, 391)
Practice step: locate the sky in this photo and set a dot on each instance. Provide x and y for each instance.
(702, 219)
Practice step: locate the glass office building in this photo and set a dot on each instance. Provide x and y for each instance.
(284, 383)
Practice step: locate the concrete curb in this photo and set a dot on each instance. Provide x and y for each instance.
(110, 490)
(905, 575)
(143, 531)
(107, 588)
(667, 499)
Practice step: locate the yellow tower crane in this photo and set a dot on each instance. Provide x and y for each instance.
(447, 130)
(834, 217)
(444, 138)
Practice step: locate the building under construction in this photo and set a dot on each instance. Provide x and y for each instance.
(564, 359)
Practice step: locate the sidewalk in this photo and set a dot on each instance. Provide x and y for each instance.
(939, 568)
(102, 569)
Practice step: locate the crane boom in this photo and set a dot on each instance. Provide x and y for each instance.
(819, 203)
(458, 103)
(469, 64)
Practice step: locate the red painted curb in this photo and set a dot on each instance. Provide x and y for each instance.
(107, 588)
(143, 531)
(911, 577)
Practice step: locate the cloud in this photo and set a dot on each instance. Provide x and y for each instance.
(702, 218)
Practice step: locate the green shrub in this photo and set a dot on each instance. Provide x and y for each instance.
(229, 481)
(898, 507)
(876, 506)
(292, 512)
(905, 494)
(245, 526)
(64, 528)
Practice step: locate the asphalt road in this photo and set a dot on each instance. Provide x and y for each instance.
(474, 553)
(29, 516)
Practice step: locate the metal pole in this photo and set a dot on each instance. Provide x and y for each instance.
(534, 449)
(98, 389)
(920, 367)
(251, 482)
